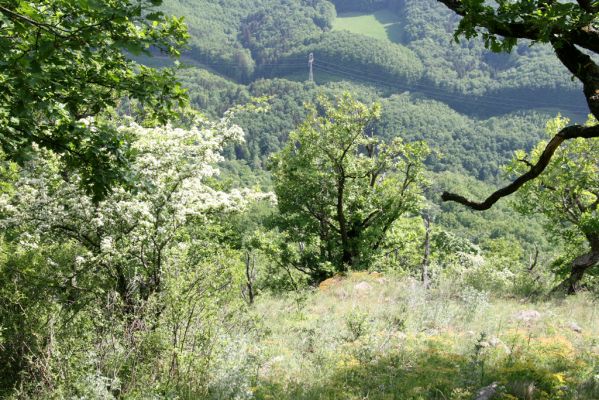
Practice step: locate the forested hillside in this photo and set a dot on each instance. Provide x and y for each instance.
(466, 100)
(299, 199)
(464, 144)
(261, 38)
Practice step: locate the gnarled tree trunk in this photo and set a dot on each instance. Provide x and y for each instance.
(580, 265)
(426, 219)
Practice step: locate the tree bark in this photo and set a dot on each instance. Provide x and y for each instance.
(580, 265)
(249, 272)
(426, 219)
(346, 256)
(569, 132)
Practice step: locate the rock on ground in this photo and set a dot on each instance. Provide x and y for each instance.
(362, 287)
(487, 392)
(575, 327)
(528, 315)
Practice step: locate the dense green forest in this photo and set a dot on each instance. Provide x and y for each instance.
(186, 214)
(418, 55)
(463, 143)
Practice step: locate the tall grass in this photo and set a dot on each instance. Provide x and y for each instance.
(380, 337)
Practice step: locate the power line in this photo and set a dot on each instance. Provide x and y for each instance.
(486, 99)
(505, 102)
(393, 85)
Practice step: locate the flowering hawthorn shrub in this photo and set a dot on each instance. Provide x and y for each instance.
(142, 270)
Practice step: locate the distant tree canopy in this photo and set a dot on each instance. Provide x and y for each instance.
(277, 30)
(567, 27)
(250, 39)
(359, 5)
(63, 61)
(369, 57)
(462, 144)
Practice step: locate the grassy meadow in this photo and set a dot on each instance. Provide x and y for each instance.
(369, 336)
(383, 24)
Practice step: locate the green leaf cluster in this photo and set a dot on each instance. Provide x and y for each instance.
(66, 62)
(340, 188)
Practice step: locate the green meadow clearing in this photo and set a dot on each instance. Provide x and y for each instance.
(382, 24)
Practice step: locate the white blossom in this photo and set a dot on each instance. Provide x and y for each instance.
(128, 227)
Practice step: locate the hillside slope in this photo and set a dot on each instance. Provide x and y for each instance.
(385, 337)
(246, 40)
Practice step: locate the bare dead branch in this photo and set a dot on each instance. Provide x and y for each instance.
(525, 161)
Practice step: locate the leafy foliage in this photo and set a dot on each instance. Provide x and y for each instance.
(567, 194)
(225, 33)
(370, 56)
(190, 283)
(340, 188)
(67, 60)
(133, 255)
(461, 143)
(281, 27)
